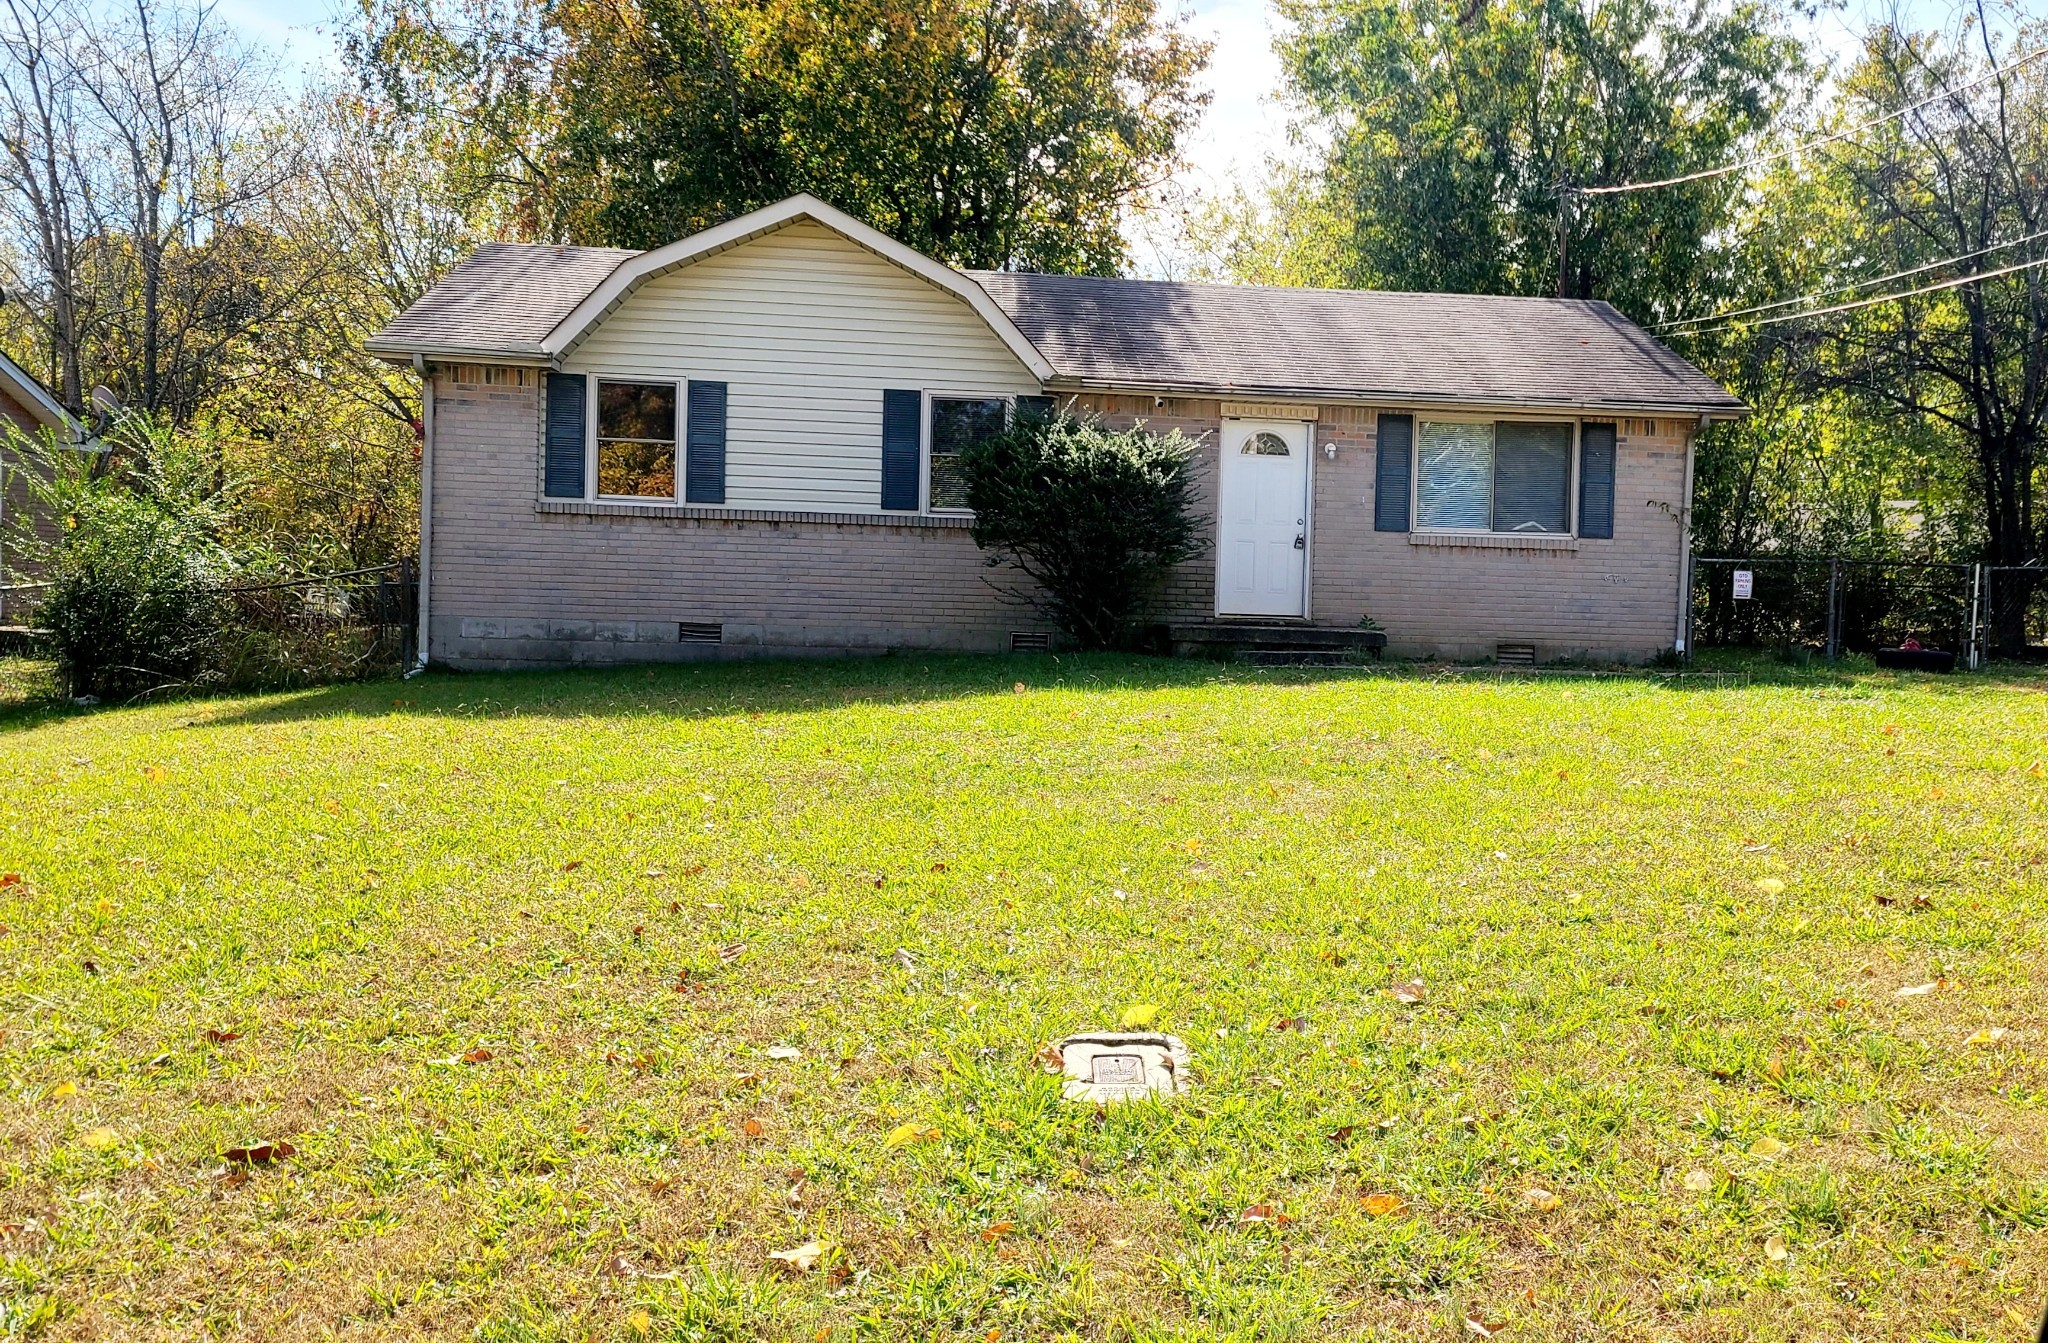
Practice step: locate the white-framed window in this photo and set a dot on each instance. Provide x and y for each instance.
(1482, 475)
(956, 423)
(635, 429)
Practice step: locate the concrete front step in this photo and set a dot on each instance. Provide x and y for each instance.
(1244, 637)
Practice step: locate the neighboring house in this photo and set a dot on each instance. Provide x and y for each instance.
(27, 406)
(746, 442)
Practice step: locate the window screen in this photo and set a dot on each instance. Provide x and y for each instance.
(636, 439)
(1454, 477)
(1508, 476)
(955, 425)
(1532, 475)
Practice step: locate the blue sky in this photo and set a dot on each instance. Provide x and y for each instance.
(1244, 124)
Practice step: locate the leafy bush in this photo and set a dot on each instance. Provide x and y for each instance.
(137, 577)
(1096, 517)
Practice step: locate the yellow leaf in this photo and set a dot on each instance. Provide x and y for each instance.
(640, 1322)
(802, 1259)
(1698, 1181)
(1383, 1205)
(1768, 1147)
(1990, 1035)
(332, 806)
(1770, 886)
(99, 1139)
(64, 1089)
(155, 773)
(904, 1134)
(1542, 1199)
(1774, 1249)
(1140, 1016)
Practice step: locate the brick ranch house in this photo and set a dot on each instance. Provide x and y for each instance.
(27, 410)
(745, 442)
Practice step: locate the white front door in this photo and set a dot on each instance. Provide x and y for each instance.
(1262, 548)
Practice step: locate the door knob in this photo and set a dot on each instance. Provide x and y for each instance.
(1301, 543)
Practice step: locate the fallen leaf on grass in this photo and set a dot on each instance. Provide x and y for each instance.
(477, 1055)
(802, 1259)
(1916, 990)
(1140, 1016)
(995, 1231)
(640, 1322)
(1768, 1148)
(1414, 991)
(1479, 1326)
(784, 1052)
(1698, 1181)
(1051, 1060)
(1990, 1035)
(1262, 1214)
(732, 951)
(572, 864)
(332, 806)
(1770, 885)
(1291, 1024)
(1541, 1199)
(99, 1139)
(1382, 1205)
(259, 1154)
(752, 1128)
(1774, 1249)
(1341, 1134)
(219, 1037)
(905, 1134)
(63, 1089)
(155, 773)
(9, 879)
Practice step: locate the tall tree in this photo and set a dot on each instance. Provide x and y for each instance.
(1955, 188)
(994, 133)
(1454, 129)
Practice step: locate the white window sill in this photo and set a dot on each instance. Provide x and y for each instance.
(668, 509)
(1495, 540)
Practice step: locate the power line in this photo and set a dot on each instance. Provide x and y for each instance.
(1775, 157)
(1850, 287)
(1957, 282)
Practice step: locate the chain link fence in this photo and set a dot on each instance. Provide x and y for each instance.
(1834, 605)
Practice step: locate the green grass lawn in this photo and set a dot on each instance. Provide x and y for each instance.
(1663, 1083)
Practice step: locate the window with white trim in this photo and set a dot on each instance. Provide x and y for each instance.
(636, 439)
(1494, 476)
(958, 423)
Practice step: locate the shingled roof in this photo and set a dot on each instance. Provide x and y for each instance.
(1167, 337)
(501, 302)
(1242, 340)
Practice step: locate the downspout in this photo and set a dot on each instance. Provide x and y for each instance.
(1685, 542)
(419, 364)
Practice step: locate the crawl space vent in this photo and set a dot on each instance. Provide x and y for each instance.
(1030, 641)
(1515, 655)
(699, 632)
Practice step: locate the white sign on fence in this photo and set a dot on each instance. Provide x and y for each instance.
(1745, 585)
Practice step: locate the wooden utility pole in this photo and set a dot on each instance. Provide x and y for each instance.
(1564, 236)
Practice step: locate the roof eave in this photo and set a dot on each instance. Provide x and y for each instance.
(1720, 410)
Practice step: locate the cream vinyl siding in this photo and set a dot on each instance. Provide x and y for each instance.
(806, 329)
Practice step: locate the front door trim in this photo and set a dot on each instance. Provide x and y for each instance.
(1230, 435)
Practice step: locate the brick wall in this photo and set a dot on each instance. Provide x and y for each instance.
(1614, 599)
(516, 586)
(521, 584)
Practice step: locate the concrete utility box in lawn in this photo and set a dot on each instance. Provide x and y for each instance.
(1123, 1065)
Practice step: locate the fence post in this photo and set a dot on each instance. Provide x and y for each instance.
(406, 598)
(1976, 615)
(1834, 626)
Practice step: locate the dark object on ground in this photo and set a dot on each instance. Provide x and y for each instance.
(1916, 659)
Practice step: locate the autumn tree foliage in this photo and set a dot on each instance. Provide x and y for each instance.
(986, 133)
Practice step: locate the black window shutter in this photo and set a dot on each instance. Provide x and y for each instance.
(1396, 469)
(1596, 481)
(1034, 409)
(704, 467)
(562, 473)
(902, 422)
